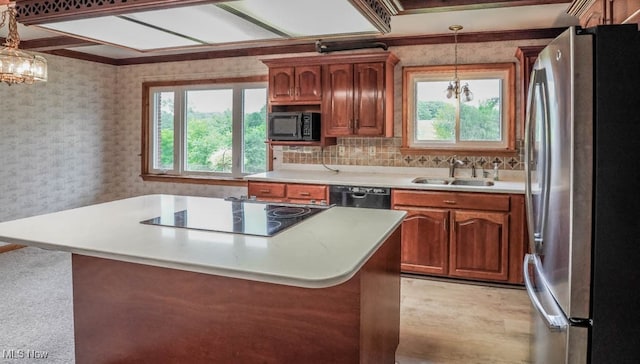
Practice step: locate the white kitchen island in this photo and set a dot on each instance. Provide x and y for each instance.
(324, 290)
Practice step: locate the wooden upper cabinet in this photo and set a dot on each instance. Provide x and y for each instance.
(599, 12)
(281, 83)
(369, 106)
(294, 84)
(337, 113)
(527, 57)
(308, 85)
(353, 92)
(358, 99)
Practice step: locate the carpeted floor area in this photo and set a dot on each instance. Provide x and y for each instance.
(36, 309)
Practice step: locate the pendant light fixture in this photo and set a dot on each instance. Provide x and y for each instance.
(454, 88)
(17, 66)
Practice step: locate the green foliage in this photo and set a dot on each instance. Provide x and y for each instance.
(208, 134)
(427, 110)
(255, 132)
(166, 148)
(480, 123)
(445, 121)
(210, 138)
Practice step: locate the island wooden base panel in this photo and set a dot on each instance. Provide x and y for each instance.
(133, 313)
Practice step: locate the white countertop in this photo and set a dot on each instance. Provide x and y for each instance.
(321, 251)
(392, 180)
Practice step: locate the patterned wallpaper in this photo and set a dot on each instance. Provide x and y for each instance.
(56, 139)
(75, 140)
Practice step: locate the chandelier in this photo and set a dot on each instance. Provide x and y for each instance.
(454, 88)
(17, 66)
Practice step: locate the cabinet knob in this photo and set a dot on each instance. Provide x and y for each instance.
(450, 202)
(305, 194)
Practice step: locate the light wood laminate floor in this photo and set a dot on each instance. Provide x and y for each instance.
(450, 322)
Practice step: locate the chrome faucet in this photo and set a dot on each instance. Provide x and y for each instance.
(453, 163)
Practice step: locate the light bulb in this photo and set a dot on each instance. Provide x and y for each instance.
(449, 91)
(468, 95)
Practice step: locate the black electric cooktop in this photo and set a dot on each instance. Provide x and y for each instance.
(241, 217)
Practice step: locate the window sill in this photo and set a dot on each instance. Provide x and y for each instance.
(459, 151)
(221, 181)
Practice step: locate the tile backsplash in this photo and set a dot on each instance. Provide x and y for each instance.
(385, 152)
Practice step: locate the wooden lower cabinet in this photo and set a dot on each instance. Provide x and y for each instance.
(478, 236)
(425, 241)
(289, 192)
(479, 245)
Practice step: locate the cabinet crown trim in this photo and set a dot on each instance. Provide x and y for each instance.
(333, 58)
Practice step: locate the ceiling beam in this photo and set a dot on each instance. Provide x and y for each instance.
(31, 12)
(430, 6)
(47, 44)
(83, 56)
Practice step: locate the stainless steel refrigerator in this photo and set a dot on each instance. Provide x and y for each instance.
(582, 164)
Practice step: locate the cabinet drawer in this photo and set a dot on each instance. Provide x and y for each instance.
(307, 192)
(259, 189)
(455, 200)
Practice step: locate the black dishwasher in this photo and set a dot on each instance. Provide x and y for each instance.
(358, 196)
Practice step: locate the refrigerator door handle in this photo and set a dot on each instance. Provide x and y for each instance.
(553, 322)
(528, 160)
(537, 87)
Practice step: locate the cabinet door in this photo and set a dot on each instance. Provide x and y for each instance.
(425, 241)
(479, 245)
(337, 104)
(369, 100)
(281, 84)
(308, 84)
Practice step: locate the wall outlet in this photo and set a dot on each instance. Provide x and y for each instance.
(372, 151)
(341, 151)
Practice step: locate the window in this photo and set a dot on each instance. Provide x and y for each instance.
(431, 121)
(205, 129)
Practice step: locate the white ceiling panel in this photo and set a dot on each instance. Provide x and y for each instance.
(115, 30)
(302, 18)
(207, 23)
(483, 20)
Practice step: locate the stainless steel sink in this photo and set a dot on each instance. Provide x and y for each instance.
(472, 182)
(452, 181)
(431, 181)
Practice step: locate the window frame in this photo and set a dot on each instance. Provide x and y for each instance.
(150, 174)
(412, 74)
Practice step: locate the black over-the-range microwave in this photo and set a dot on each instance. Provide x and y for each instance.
(294, 125)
